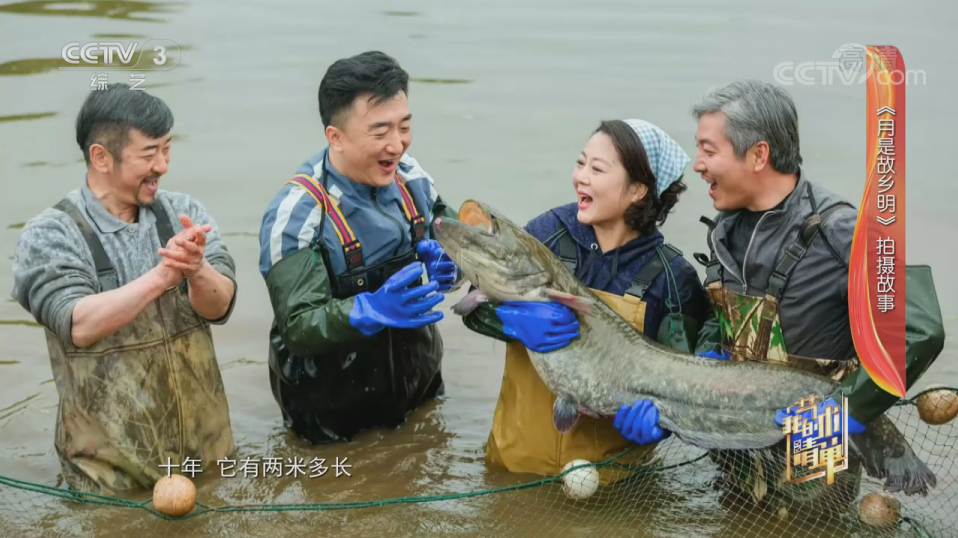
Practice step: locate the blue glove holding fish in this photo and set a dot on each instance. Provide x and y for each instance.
(396, 304)
(853, 425)
(639, 423)
(541, 327)
(439, 266)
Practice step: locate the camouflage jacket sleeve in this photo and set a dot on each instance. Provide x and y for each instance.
(310, 321)
(308, 318)
(924, 341)
(695, 309)
(924, 330)
(710, 335)
(484, 321)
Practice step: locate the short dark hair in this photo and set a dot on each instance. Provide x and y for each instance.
(371, 73)
(107, 116)
(651, 211)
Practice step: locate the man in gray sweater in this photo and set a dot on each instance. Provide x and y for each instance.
(126, 279)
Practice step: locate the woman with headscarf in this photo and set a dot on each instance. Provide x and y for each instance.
(627, 179)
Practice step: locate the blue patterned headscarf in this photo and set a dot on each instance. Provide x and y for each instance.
(667, 158)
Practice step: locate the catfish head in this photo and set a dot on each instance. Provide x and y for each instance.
(504, 262)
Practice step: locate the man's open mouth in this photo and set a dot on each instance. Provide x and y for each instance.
(151, 184)
(387, 165)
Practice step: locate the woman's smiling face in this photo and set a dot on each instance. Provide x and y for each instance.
(602, 183)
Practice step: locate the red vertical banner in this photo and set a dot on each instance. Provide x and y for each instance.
(876, 284)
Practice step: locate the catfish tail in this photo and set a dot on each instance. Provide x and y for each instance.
(887, 454)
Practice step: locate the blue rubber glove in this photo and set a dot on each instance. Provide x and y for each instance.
(853, 425)
(639, 423)
(439, 266)
(541, 327)
(395, 304)
(723, 356)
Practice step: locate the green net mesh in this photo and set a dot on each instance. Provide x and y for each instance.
(676, 490)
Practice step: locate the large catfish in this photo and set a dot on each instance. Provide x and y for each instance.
(711, 404)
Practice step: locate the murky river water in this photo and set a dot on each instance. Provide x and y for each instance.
(504, 96)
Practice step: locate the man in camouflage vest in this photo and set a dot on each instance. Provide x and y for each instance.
(777, 274)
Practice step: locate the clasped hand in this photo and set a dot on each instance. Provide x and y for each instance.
(184, 254)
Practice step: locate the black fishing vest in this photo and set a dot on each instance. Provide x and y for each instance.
(787, 259)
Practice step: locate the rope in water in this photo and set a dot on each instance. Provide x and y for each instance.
(93, 498)
(913, 399)
(106, 500)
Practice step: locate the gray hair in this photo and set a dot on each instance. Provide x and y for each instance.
(757, 111)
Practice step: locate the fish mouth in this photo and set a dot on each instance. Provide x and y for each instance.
(480, 244)
(475, 214)
(473, 220)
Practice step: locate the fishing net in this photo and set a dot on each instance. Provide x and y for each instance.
(674, 490)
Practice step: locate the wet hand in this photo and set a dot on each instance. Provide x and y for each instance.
(171, 276)
(541, 327)
(439, 266)
(186, 251)
(853, 425)
(396, 304)
(639, 423)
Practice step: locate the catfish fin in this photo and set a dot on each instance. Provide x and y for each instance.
(575, 302)
(589, 413)
(470, 302)
(564, 414)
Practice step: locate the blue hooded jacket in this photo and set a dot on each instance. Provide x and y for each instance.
(615, 270)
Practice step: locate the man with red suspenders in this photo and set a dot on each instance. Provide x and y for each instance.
(342, 246)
